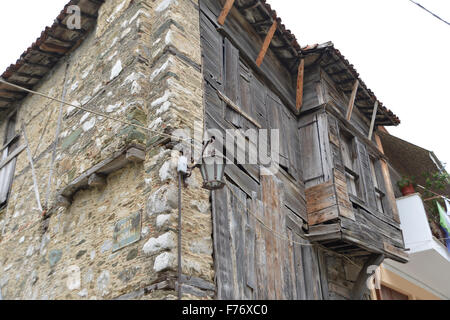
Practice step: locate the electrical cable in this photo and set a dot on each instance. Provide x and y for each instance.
(433, 14)
(100, 114)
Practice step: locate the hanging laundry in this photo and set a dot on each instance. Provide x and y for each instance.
(447, 204)
(445, 223)
(443, 218)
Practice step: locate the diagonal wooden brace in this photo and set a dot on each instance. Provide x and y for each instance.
(266, 43)
(225, 11)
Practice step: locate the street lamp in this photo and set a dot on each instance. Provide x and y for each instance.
(212, 168)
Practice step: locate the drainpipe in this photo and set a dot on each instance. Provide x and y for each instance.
(182, 171)
(179, 236)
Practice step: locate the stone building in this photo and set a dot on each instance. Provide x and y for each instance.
(89, 182)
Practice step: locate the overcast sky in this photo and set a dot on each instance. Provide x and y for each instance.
(401, 52)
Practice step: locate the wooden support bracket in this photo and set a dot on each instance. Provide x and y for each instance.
(372, 123)
(351, 103)
(115, 162)
(266, 43)
(300, 78)
(367, 271)
(225, 11)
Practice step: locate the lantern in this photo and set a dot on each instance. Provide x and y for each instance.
(212, 170)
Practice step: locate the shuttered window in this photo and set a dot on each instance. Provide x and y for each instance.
(350, 162)
(7, 169)
(379, 195)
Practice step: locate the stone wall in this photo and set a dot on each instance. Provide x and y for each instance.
(142, 64)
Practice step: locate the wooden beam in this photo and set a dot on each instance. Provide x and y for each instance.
(351, 103)
(27, 75)
(266, 43)
(300, 78)
(39, 65)
(372, 123)
(225, 11)
(367, 270)
(387, 181)
(233, 106)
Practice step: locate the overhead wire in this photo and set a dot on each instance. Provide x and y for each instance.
(430, 12)
(97, 113)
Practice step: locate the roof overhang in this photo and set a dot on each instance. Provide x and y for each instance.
(339, 69)
(58, 40)
(411, 160)
(54, 43)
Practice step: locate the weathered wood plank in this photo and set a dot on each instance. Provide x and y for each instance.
(389, 248)
(237, 209)
(271, 203)
(299, 268)
(291, 270)
(320, 197)
(312, 275)
(260, 251)
(323, 215)
(250, 250)
(222, 250)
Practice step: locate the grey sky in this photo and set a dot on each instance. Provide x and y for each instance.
(401, 52)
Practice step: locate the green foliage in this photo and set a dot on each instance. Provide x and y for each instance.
(436, 182)
(406, 181)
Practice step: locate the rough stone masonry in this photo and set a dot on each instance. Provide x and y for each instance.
(142, 64)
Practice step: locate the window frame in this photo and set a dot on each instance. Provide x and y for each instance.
(348, 139)
(380, 195)
(10, 146)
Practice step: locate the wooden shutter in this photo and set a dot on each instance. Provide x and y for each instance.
(366, 183)
(290, 134)
(259, 103)
(246, 95)
(275, 115)
(311, 153)
(212, 53)
(232, 90)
